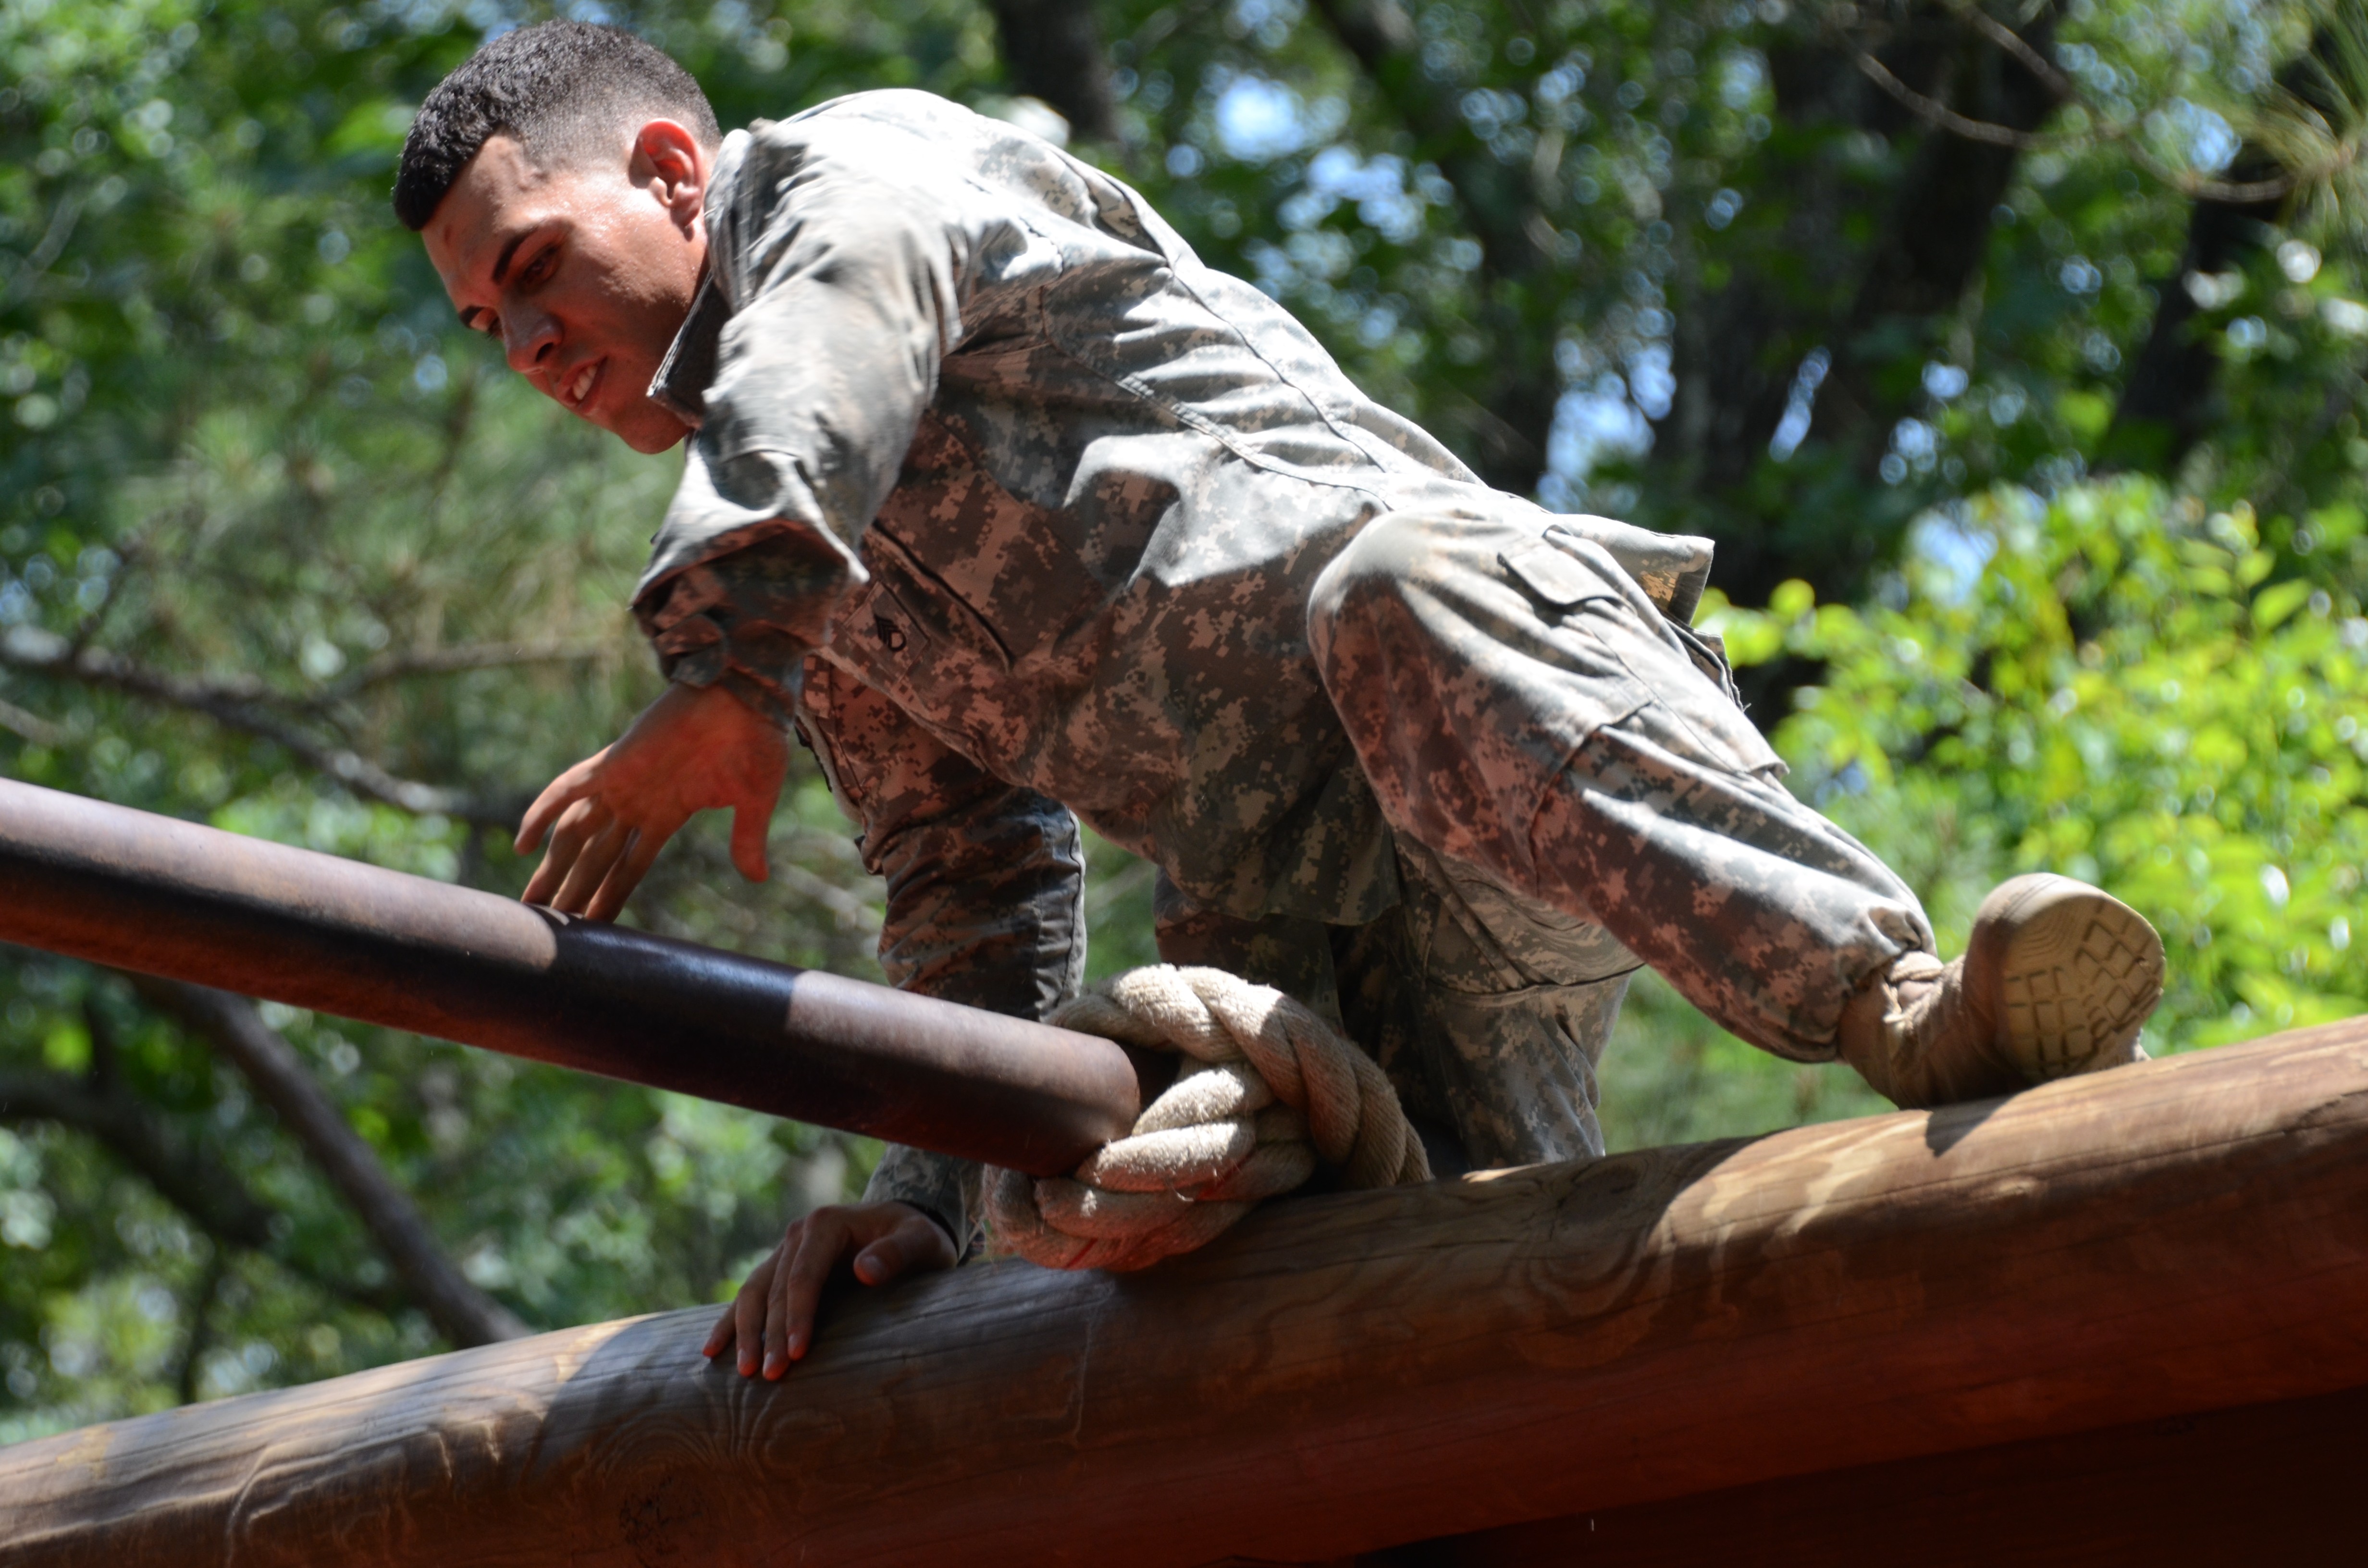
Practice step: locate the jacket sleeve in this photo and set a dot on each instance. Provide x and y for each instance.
(843, 256)
(985, 889)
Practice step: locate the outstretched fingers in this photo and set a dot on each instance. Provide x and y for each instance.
(578, 828)
(557, 796)
(641, 852)
(750, 819)
(598, 855)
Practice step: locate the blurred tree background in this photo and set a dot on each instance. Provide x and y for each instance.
(2011, 349)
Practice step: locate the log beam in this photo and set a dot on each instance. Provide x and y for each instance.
(1348, 1372)
(2264, 1484)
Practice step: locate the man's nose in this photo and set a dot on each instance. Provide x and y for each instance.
(530, 339)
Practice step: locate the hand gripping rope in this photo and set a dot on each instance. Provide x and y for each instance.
(1267, 1090)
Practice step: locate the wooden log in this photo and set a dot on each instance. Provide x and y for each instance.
(1346, 1372)
(2266, 1483)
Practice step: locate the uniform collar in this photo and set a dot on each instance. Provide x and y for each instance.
(688, 368)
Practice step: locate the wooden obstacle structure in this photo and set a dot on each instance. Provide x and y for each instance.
(2116, 1320)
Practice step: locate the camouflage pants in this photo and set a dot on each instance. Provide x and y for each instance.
(1488, 1011)
(1574, 791)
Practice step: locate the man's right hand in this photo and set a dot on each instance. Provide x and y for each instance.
(773, 1317)
(694, 748)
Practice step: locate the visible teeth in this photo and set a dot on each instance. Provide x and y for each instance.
(583, 386)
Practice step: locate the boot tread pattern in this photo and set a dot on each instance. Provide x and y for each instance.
(2078, 982)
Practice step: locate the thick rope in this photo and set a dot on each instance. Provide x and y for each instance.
(1275, 1090)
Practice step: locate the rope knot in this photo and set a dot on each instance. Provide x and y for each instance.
(1268, 1089)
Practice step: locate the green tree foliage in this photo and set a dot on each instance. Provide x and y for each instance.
(1871, 293)
(2115, 686)
(288, 554)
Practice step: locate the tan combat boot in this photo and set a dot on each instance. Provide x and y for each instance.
(2057, 979)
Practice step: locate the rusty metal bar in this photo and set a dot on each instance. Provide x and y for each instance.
(150, 893)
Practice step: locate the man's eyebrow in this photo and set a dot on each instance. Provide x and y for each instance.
(501, 265)
(502, 262)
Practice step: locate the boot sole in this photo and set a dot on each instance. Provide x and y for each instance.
(2077, 974)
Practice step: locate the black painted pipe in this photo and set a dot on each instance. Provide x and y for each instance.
(160, 896)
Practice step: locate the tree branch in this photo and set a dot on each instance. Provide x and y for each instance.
(1939, 116)
(1499, 204)
(182, 1175)
(1054, 52)
(2201, 187)
(238, 704)
(212, 1195)
(201, 1306)
(1943, 117)
(30, 726)
(62, 217)
(1741, 348)
(455, 660)
(2167, 398)
(1380, 36)
(466, 1314)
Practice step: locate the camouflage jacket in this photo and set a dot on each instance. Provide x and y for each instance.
(1013, 506)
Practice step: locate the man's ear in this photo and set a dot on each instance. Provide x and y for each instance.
(670, 163)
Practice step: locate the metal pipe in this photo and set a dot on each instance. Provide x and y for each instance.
(146, 892)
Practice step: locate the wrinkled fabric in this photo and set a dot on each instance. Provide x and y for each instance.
(1524, 710)
(1488, 1011)
(1574, 792)
(1019, 513)
(982, 428)
(985, 886)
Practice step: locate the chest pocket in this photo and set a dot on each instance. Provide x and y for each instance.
(908, 636)
(915, 613)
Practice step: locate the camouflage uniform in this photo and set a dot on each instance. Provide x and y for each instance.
(1016, 510)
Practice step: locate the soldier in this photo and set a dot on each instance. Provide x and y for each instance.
(1017, 513)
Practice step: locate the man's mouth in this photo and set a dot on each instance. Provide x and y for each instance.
(577, 392)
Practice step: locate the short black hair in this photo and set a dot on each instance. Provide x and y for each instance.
(559, 88)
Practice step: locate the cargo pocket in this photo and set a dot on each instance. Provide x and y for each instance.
(1582, 617)
(1695, 717)
(1689, 702)
(1552, 573)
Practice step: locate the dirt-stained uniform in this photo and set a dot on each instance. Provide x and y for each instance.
(1016, 510)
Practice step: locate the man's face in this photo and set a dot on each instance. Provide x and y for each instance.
(584, 272)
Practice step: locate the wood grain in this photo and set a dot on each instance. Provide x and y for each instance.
(1350, 1372)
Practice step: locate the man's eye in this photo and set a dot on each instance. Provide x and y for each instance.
(539, 268)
